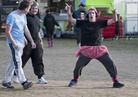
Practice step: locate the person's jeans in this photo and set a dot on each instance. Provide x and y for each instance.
(15, 64)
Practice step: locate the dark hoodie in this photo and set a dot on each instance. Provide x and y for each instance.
(50, 22)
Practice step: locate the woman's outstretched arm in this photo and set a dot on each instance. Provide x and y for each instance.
(70, 18)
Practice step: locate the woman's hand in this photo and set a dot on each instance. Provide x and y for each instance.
(114, 12)
(114, 19)
(68, 8)
(33, 44)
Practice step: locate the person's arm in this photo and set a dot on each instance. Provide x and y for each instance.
(28, 35)
(40, 38)
(73, 14)
(114, 19)
(70, 18)
(25, 40)
(9, 36)
(44, 21)
(55, 22)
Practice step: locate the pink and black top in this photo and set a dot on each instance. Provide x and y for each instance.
(91, 33)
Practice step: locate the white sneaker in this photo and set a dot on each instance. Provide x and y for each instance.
(42, 81)
(15, 79)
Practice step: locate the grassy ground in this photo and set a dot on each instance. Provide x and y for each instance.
(59, 64)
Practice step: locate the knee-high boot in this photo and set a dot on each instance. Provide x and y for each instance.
(49, 44)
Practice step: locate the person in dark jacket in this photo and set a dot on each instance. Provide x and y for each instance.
(49, 23)
(79, 14)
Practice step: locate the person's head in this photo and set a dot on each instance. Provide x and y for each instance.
(34, 8)
(81, 6)
(24, 6)
(92, 13)
(26, 0)
(47, 11)
(31, 0)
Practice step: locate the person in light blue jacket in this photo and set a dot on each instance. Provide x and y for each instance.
(16, 27)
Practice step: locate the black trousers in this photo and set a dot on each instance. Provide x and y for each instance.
(105, 60)
(36, 56)
(50, 35)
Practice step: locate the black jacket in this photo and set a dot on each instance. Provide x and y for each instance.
(33, 24)
(50, 22)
